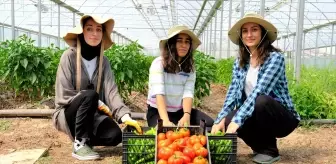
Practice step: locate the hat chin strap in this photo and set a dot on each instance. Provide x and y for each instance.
(179, 64)
(257, 45)
(79, 65)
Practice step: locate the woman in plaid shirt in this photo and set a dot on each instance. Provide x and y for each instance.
(257, 106)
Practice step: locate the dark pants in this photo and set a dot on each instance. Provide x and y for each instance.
(269, 120)
(174, 117)
(80, 115)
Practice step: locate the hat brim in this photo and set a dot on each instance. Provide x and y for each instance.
(194, 39)
(234, 32)
(71, 36)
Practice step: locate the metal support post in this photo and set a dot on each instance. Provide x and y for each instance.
(299, 32)
(39, 24)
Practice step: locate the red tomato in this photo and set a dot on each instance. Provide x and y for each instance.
(161, 136)
(197, 146)
(186, 159)
(174, 159)
(169, 135)
(182, 142)
(189, 151)
(200, 160)
(194, 139)
(164, 143)
(165, 153)
(178, 153)
(162, 161)
(174, 146)
(185, 132)
(201, 152)
(202, 139)
(188, 143)
(176, 135)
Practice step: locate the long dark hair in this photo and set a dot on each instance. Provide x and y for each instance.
(264, 49)
(170, 65)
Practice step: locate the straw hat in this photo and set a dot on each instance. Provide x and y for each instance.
(71, 36)
(181, 29)
(254, 18)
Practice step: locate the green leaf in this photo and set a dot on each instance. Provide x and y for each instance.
(36, 61)
(24, 63)
(47, 65)
(129, 73)
(33, 78)
(122, 76)
(16, 67)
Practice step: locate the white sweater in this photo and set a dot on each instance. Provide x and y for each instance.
(174, 86)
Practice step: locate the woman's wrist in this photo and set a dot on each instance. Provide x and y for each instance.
(187, 114)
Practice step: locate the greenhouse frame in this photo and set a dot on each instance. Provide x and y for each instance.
(146, 21)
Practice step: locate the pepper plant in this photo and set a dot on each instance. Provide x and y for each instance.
(28, 69)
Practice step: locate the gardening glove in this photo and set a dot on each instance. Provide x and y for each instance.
(104, 108)
(127, 120)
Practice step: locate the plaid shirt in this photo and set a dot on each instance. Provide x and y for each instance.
(271, 81)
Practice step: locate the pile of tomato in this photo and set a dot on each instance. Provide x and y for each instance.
(180, 147)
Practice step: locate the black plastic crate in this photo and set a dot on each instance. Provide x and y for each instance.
(138, 149)
(223, 149)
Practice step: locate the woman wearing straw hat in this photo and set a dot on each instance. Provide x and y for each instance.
(172, 79)
(258, 106)
(87, 99)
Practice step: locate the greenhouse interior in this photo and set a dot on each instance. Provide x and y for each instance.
(32, 43)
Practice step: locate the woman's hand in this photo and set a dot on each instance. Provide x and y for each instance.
(134, 124)
(167, 123)
(184, 121)
(232, 128)
(217, 127)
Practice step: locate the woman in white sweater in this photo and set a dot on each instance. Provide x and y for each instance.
(172, 79)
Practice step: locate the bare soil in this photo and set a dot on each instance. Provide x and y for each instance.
(315, 145)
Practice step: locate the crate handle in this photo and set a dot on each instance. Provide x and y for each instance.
(160, 125)
(202, 127)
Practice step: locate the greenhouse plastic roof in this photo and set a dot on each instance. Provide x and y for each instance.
(148, 20)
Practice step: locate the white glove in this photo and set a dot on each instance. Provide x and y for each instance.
(126, 117)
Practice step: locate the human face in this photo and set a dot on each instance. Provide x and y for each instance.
(183, 45)
(251, 34)
(93, 32)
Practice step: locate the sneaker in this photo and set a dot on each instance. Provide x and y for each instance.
(265, 159)
(254, 153)
(82, 151)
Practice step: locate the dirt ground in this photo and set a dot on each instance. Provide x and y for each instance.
(315, 145)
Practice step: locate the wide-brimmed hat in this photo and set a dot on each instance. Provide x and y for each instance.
(181, 29)
(234, 32)
(71, 36)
